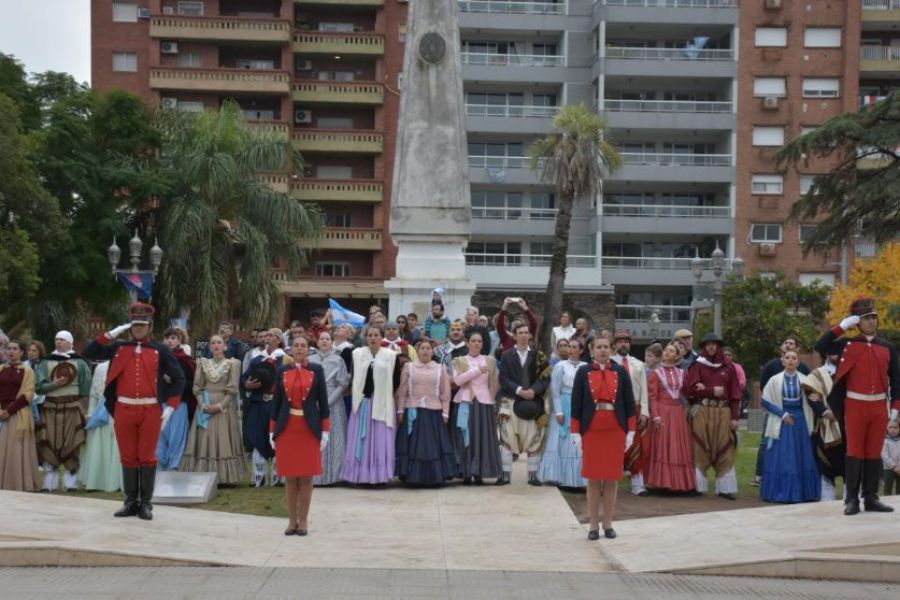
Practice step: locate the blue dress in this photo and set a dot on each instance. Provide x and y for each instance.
(790, 473)
(561, 460)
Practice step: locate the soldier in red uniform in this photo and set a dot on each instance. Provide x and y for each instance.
(141, 400)
(866, 381)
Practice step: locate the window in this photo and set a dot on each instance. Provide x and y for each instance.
(806, 183)
(338, 220)
(338, 27)
(334, 122)
(334, 172)
(768, 136)
(124, 12)
(805, 130)
(767, 184)
(192, 106)
(768, 233)
(806, 232)
(821, 88)
(124, 62)
(332, 269)
(822, 37)
(771, 36)
(258, 65)
(190, 60)
(191, 9)
(494, 253)
(826, 279)
(769, 86)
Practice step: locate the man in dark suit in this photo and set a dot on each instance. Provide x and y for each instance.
(524, 377)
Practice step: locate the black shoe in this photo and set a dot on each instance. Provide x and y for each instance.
(145, 512)
(467, 480)
(503, 479)
(148, 483)
(728, 496)
(131, 487)
(129, 509)
(609, 533)
(290, 531)
(643, 493)
(872, 473)
(533, 479)
(479, 480)
(593, 534)
(301, 531)
(876, 505)
(851, 506)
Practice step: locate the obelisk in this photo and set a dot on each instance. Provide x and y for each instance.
(431, 207)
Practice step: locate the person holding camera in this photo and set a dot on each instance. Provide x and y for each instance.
(507, 339)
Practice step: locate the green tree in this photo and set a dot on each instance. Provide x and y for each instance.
(758, 312)
(14, 84)
(860, 195)
(574, 158)
(222, 229)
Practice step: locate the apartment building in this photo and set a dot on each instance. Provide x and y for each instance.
(323, 73)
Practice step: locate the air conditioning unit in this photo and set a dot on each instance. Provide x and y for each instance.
(168, 10)
(770, 102)
(767, 249)
(169, 47)
(302, 116)
(303, 64)
(169, 103)
(143, 13)
(773, 4)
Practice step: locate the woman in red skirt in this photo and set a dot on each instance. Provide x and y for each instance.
(299, 431)
(603, 422)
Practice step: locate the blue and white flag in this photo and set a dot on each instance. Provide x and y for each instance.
(340, 315)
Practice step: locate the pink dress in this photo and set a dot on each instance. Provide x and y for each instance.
(672, 462)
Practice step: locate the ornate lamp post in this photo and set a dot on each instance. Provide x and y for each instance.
(135, 246)
(718, 270)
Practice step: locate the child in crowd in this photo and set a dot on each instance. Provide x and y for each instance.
(890, 457)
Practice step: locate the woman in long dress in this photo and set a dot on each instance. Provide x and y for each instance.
(173, 438)
(561, 460)
(18, 453)
(473, 419)
(343, 345)
(336, 379)
(603, 420)
(672, 462)
(299, 431)
(424, 451)
(101, 467)
(790, 473)
(214, 444)
(370, 452)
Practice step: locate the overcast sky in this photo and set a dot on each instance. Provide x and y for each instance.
(48, 35)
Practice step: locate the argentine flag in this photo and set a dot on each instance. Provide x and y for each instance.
(340, 315)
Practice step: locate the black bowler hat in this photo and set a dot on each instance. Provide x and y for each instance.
(711, 337)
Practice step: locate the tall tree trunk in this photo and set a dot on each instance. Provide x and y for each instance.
(556, 283)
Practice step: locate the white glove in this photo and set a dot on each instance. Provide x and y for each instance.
(894, 414)
(629, 439)
(117, 331)
(272, 440)
(851, 321)
(324, 441)
(576, 439)
(166, 414)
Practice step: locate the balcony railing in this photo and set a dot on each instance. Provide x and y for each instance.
(506, 110)
(702, 54)
(667, 106)
(273, 128)
(336, 140)
(344, 92)
(881, 4)
(236, 29)
(500, 162)
(502, 6)
(891, 53)
(666, 210)
(338, 190)
(221, 80)
(675, 3)
(510, 213)
(653, 313)
(371, 44)
(870, 100)
(654, 262)
(512, 60)
(477, 259)
(681, 160)
(339, 238)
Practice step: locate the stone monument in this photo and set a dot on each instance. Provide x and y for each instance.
(177, 487)
(431, 207)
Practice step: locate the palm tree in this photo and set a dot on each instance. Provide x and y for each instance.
(575, 158)
(222, 228)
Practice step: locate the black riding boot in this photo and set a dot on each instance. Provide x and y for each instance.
(148, 480)
(871, 479)
(130, 485)
(852, 473)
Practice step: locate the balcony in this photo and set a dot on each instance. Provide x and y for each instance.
(488, 59)
(212, 29)
(654, 219)
(870, 100)
(669, 114)
(627, 61)
(670, 158)
(221, 80)
(350, 239)
(351, 141)
(674, 3)
(504, 7)
(326, 190)
(642, 270)
(516, 222)
(277, 182)
(333, 92)
(351, 44)
(657, 211)
(494, 118)
(663, 166)
(879, 59)
(502, 169)
(529, 271)
(880, 11)
(667, 106)
(280, 130)
(650, 322)
(693, 54)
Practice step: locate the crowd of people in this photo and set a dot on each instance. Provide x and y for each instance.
(325, 403)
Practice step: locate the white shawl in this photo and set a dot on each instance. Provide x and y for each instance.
(383, 375)
(773, 393)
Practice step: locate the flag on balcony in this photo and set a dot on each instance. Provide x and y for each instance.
(341, 315)
(692, 48)
(140, 283)
(496, 175)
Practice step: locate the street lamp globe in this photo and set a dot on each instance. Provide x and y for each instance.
(697, 266)
(718, 261)
(114, 253)
(156, 255)
(737, 265)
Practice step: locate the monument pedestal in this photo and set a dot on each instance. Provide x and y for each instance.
(177, 487)
(423, 264)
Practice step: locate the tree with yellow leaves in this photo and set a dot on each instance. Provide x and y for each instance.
(878, 278)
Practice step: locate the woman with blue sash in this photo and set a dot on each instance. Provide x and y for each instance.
(561, 461)
(790, 472)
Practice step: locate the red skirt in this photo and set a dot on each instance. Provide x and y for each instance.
(604, 447)
(297, 450)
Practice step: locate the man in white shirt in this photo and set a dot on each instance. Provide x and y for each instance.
(637, 455)
(563, 331)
